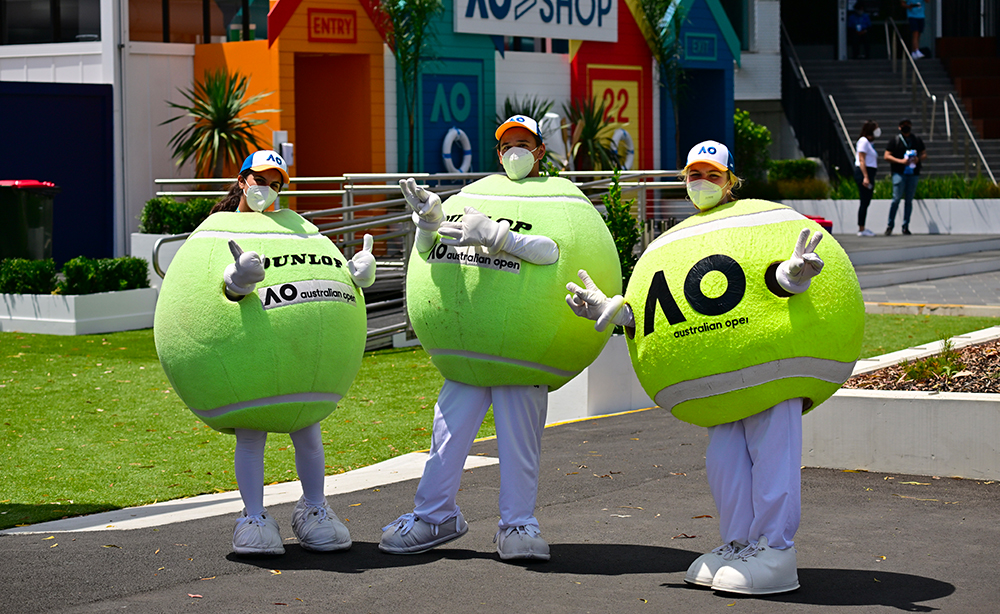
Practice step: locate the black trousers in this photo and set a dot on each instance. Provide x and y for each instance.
(864, 193)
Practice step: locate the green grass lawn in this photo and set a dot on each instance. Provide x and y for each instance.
(90, 423)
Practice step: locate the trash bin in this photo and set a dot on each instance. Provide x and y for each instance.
(26, 218)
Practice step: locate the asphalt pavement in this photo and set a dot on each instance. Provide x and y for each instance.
(623, 502)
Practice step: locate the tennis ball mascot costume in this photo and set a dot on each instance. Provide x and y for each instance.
(729, 332)
(483, 293)
(260, 326)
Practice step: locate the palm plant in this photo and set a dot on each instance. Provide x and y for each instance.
(409, 38)
(220, 130)
(531, 106)
(590, 144)
(664, 19)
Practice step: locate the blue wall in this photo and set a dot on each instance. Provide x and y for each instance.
(63, 133)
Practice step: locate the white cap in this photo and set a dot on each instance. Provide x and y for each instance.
(265, 159)
(519, 121)
(714, 153)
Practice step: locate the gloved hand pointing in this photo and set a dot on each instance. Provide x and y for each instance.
(243, 275)
(475, 229)
(796, 273)
(426, 206)
(362, 265)
(591, 303)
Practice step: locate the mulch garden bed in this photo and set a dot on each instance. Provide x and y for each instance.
(980, 372)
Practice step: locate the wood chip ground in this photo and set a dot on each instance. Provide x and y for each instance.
(981, 373)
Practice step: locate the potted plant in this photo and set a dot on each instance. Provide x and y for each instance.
(89, 296)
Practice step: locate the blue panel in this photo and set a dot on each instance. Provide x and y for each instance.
(63, 133)
(447, 101)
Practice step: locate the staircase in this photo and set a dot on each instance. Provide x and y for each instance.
(868, 89)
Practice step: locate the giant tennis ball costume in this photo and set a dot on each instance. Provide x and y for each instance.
(496, 320)
(717, 340)
(282, 357)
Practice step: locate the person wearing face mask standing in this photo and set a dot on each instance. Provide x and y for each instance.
(905, 153)
(314, 523)
(519, 410)
(753, 464)
(865, 169)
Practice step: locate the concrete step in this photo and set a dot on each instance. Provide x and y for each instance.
(923, 269)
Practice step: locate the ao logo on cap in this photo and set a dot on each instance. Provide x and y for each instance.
(272, 157)
(710, 150)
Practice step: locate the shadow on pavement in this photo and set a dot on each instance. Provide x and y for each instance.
(856, 587)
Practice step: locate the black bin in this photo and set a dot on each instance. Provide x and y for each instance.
(26, 218)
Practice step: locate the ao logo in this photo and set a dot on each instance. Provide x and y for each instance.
(584, 10)
(276, 159)
(659, 292)
(710, 150)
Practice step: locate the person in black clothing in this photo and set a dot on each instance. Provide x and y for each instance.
(905, 153)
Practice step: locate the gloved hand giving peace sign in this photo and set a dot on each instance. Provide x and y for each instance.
(591, 303)
(796, 273)
(426, 206)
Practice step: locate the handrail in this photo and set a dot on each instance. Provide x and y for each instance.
(847, 135)
(896, 36)
(795, 56)
(971, 136)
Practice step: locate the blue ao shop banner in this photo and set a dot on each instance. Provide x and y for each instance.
(585, 20)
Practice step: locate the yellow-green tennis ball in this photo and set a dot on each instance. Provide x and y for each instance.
(496, 320)
(282, 357)
(714, 341)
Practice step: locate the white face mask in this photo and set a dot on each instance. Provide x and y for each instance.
(260, 197)
(518, 162)
(877, 132)
(704, 194)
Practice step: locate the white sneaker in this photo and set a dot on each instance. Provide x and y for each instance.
(916, 55)
(866, 233)
(704, 568)
(318, 528)
(411, 535)
(522, 542)
(257, 535)
(758, 570)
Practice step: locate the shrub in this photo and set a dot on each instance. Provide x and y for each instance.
(20, 276)
(87, 276)
(806, 189)
(943, 365)
(623, 226)
(949, 186)
(757, 189)
(751, 154)
(164, 215)
(783, 170)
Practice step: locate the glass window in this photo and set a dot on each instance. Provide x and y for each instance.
(49, 21)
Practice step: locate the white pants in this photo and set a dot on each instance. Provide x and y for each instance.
(309, 463)
(519, 415)
(754, 473)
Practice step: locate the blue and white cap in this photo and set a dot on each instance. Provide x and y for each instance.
(713, 153)
(519, 121)
(265, 159)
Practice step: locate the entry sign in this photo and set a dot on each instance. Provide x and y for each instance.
(332, 26)
(585, 20)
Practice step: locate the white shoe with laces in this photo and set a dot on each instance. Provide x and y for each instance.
(758, 570)
(522, 543)
(257, 536)
(866, 233)
(916, 55)
(319, 529)
(411, 535)
(704, 568)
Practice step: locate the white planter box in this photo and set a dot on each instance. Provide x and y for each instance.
(142, 247)
(930, 216)
(609, 385)
(947, 434)
(83, 314)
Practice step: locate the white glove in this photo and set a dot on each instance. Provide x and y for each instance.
(591, 303)
(426, 206)
(475, 229)
(796, 273)
(243, 275)
(362, 265)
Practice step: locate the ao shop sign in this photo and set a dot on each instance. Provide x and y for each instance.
(590, 20)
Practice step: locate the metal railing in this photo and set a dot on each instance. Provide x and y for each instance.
(813, 114)
(899, 54)
(389, 212)
(979, 160)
